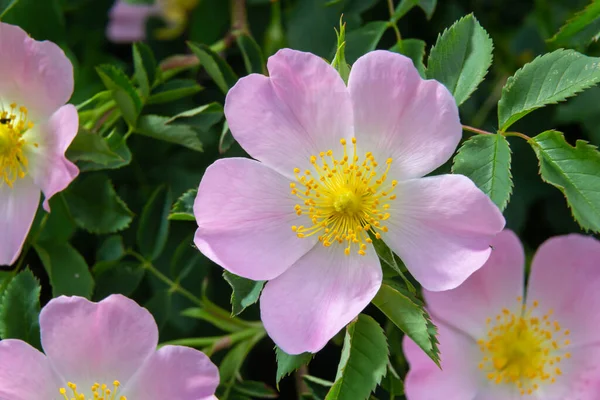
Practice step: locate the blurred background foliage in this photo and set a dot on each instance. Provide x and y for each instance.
(110, 232)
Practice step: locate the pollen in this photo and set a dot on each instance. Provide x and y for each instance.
(523, 350)
(13, 124)
(98, 392)
(344, 198)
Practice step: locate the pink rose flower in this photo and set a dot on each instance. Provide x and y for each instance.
(106, 349)
(335, 163)
(499, 341)
(128, 21)
(36, 80)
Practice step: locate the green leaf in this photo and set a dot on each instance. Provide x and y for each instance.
(20, 309)
(117, 145)
(339, 59)
(111, 249)
(428, 6)
(233, 361)
(202, 117)
(42, 20)
(183, 209)
(157, 127)
(461, 57)
(548, 79)
(95, 206)
(160, 305)
(318, 387)
(154, 224)
(226, 140)
(123, 92)
(59, 226)
(245, 292)
(69, 273)
(256, 390)
(92, 147)
(145, 67)
(252, 54)
(215, 66)
(389, 259)
(288, 363)
(187, 259)
(6, 5)
(117, 277)
(363, 362)
(408, 314)
(485, 159)
(223, 322)
(582, 28)
(174, 90)
(574, 171)
(364, 39)
(415, 50)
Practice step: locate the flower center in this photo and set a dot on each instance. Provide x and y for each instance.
(99, 392)
(523, 350)
(345, 200)
(13, 163)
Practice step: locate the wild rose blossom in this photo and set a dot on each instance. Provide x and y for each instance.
(128, 21)
(102, 350)
(335, 165)
(36, 128)
(499, 341)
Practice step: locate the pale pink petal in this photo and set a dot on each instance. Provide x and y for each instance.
(175, 373)
(128, 21)
(319, 295)
(442, 228)
(17, 210)
(245, 213)
(459, 378)
(565, 278)
(580, 379)
(497, 285)
(301, 109)
(97, 342)
(36, 75)
(399, 115)
(25, 373)
(45, 151)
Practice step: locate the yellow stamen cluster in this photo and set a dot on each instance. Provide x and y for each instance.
(344, 198)
(13, 124)
(100, 392)
(176, 13)
(524, 350)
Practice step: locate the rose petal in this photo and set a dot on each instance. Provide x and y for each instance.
(97, 342)
(442, 228)
(25, 373)
(565, 277)
(128, 21)
(459, 378)
(175, 372)
(17, 210)
(399, 115)
(301, 109)
(312, 301)
(495, 286)
(37, 75)
(45, 151)
(245, 214)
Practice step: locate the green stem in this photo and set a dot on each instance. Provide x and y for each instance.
(517, 134)
(226, 341)
(173, 287)
(393, 23)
